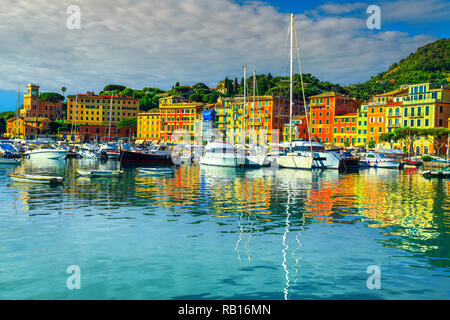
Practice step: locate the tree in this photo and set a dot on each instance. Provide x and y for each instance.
(388, 137)
(51, 96)
(196, 97)
(408, 136)
(127, 123)
(113, 87)
(63, 90)
(127, 92)
(437, 137)
(371, 144)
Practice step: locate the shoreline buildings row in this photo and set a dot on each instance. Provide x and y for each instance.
(331, 118)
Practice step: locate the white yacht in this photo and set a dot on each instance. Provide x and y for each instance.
(221, 154)
(378, 160)
(256, 157)
(325, 159)
(47, 154)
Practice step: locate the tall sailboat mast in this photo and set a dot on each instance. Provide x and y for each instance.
(254, 107)
(18, 100)
(245, 104)
(291, 86)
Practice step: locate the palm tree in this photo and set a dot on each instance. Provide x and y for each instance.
(63, 89)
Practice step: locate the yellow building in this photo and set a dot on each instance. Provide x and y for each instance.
(148, 124)
(230, 119)
(361, 126)
(91, 109)
(169, 100)
(426, 106)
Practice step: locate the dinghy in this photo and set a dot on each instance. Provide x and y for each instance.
(99, 173)
(9, 161)
(19, 177)
(445, 173)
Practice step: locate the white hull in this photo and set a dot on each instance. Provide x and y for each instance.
(333, 160)
(381, 164)
(222, 160)
(295, 162)
(47, 154)
(256, 161)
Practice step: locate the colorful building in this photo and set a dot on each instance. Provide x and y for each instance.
(34, 107)
(345, 129)
(265, 118)
(377, 112)
(361, 126)
(427, 105)
(324, 108)
(299, 129)
(148, 124)
(97, 110)
(182, 117)
(27, 128)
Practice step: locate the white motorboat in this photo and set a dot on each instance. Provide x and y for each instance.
(89, 151)
(378, 160)
(47, 154)
(221, 154)
(111, 150)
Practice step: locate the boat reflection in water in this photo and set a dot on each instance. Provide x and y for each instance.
(284, 233)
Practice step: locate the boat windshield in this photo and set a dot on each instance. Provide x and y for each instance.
(308, 148)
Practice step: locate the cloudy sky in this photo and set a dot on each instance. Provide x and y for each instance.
(156, 43)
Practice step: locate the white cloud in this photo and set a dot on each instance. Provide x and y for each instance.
(156, 43)
(335, 8)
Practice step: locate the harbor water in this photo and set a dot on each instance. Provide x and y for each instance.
(206, 232)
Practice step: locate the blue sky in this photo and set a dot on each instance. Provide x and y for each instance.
(156, 43)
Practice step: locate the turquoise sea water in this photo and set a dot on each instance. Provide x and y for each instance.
(216, 233)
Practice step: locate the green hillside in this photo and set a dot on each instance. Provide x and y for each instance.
(430, 63)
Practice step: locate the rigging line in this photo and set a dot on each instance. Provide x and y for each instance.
(303, 87)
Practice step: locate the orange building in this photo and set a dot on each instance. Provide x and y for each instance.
(267, 116)
(33, 107)
(301, 131)
(345, 129)
(26, 128)
(324, 108)
(181, 117)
